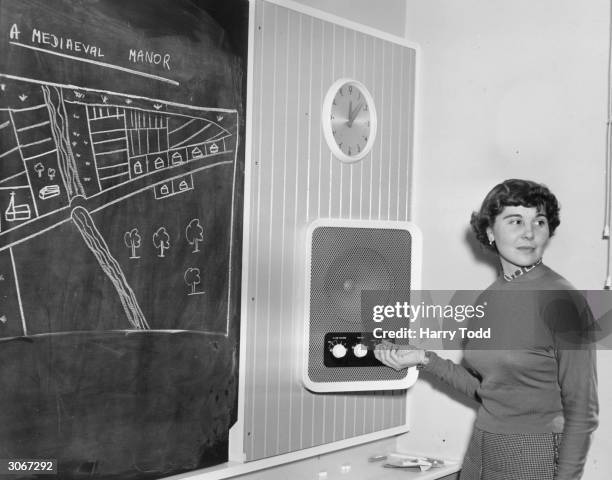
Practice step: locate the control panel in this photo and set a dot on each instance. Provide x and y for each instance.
(349, 349)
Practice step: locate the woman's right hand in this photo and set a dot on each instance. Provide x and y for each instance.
(398, 357)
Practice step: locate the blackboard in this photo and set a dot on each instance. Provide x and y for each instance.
(121, 198)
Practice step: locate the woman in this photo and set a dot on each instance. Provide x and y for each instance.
(538, 397)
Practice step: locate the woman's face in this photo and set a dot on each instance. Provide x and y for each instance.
(521, 235)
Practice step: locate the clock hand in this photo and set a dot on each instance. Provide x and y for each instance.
(353, 114)
(350, 112)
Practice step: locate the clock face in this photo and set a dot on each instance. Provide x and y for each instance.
(349, 120)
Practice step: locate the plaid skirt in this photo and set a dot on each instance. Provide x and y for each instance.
(499, 456)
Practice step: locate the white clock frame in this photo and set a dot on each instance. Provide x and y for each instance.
(326, 122)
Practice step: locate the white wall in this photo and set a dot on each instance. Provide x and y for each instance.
(508, 89)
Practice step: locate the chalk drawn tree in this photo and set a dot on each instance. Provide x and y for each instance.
(192, 278)
(39, 168)
(194, 233)
(161, 240)
(133, 241)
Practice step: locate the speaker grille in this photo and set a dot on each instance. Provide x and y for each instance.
(345, 261)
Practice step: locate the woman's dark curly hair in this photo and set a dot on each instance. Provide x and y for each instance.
(512, 193)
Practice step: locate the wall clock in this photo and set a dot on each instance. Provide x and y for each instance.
(349, 120)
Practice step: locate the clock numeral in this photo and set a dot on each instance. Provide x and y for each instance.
(366, 139)
(359, 148)
(333, 116)
(334, 132)
(350, 89)
(334, 102)
(341, 92)
(365, 107)
(349, 151)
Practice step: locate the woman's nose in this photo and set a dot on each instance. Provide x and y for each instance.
(528, 231)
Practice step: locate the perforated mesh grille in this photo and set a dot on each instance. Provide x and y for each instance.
(344, 262)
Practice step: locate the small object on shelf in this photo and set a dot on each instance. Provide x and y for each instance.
(400, 460)
(377, 458)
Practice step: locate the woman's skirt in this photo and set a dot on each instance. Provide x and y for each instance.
(499, 456)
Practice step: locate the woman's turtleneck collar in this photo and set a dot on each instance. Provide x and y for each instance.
(520, 271)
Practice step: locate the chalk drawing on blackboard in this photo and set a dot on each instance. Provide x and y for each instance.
(177, 158)
(18, 292)
(11, 180)
(174, 187)
(39, 168)
(41, 129)
(161, 241)
(49, 191)
(194, 234)
(192, 279)
(122, 143)
(96, 243)
(59, 123)
(163, 190)
(132, 240)
(130, 142)
(15, 212)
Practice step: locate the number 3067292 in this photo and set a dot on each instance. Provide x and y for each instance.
(39, 466)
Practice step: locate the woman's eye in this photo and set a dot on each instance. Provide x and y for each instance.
(541, 223)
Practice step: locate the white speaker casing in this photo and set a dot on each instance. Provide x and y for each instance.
(416, 254)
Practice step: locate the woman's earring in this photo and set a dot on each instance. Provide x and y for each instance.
(491, 241)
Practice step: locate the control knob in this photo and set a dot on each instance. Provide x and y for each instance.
(338, 350)
(360, 350)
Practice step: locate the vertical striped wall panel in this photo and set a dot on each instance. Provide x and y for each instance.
(295, 180)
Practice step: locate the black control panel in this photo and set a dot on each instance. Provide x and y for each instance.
(349, 349)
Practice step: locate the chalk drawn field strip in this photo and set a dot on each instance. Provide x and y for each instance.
(23, 323)
(116, 200)
(123, 95)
